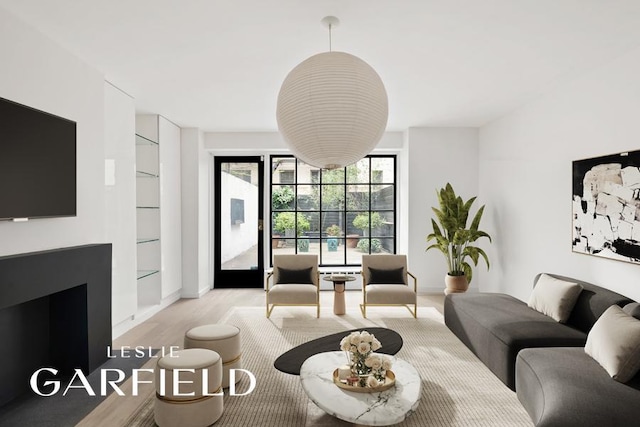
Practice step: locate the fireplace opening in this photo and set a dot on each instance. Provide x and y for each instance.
(46, 332)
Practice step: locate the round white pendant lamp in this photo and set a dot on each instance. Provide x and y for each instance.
(332, 108)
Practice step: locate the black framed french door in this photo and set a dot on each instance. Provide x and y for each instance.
(239, 236)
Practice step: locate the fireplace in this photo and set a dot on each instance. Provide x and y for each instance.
(55, 311)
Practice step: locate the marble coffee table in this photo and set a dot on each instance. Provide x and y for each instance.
(371, 409)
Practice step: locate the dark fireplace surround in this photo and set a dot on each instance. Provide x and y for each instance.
(55, 311)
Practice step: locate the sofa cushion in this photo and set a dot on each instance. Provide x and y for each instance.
(291, 276)
(554, 297)
(614, 342)
(380, 276)
(565, 387)
(592, 302)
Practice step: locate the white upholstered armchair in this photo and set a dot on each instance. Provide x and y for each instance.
(295, 282)
(385, 283)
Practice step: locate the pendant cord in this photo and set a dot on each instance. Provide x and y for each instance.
(330, 37)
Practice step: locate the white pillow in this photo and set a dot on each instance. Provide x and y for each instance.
(554, 298)
(614, 342)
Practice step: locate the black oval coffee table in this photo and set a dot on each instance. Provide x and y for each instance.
(291, 361)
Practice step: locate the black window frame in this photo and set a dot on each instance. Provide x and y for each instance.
(343, 212)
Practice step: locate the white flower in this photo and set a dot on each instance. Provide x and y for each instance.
(364, 348)
(375, 344)
(354, 338)
(372, 381)
(374, 362)
(345, 345)
(386, 364)
(366, 336)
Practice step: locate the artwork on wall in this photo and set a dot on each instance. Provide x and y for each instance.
(606, 206)
(237, 211)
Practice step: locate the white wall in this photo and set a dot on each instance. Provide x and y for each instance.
(525, 177)
(170, 207)
(433, 157)
(195, 214)
(38, 73)
(120, 199)
(238, 238)
(273, 143)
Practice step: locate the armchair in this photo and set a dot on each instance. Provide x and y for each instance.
(385, 283)
(295, 282)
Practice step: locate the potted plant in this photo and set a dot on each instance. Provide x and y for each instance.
(282, 197)
(287, 222)
(365, 222)
(362, 220)
(332, 242)
(452, 237)
(376, 245)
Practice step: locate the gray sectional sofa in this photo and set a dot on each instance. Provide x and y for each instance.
(543, 360)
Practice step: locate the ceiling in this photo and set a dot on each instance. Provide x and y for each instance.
(218, 65)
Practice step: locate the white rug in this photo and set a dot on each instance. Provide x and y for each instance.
(457, 389)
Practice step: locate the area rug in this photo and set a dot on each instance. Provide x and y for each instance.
(457, 389)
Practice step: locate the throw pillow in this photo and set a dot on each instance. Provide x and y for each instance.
(289, 276)
(632, 309)
(614, 342)
(386, 276)
(554, 298)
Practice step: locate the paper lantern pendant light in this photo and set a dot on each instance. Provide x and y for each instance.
(332, 109)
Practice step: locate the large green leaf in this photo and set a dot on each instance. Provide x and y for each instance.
(451, 234)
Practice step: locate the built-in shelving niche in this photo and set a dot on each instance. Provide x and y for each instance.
(149, 285)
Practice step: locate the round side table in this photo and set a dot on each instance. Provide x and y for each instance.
(338, 291)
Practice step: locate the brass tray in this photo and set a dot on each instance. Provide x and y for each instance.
(389, 382)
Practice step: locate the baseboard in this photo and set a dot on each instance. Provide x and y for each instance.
(122, 327)
(192, 295)
(148, 312)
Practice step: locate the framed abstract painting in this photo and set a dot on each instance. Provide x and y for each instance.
(606, 206)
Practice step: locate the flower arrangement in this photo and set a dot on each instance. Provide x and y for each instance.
(370, 368)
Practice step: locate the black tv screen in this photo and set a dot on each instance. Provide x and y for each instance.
(37, 163)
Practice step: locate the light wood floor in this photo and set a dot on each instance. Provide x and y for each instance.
(167, 329)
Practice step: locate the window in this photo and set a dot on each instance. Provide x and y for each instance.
(338, 214)
(286, 177)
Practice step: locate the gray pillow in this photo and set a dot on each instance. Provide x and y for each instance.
(614, 342)
(290, 276)
(554, 297)
(632, 309)
(394, 276)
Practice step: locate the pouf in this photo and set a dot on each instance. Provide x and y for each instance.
(171, 407)
(224, 340)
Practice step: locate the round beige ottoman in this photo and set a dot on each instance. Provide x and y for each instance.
(196, 409)
(224, 340)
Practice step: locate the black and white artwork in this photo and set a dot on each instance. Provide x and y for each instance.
(606, 206)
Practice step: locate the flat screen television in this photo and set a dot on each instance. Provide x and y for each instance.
(37, 163)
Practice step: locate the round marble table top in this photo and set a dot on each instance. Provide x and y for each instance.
(372, 409)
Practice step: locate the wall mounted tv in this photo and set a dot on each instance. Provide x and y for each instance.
(37, 163)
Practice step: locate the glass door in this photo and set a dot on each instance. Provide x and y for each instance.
(239, 201)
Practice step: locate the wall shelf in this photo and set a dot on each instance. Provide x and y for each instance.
(141, 140)
(143, 174)
(141, 274)
(149, 279)
(141, 240)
